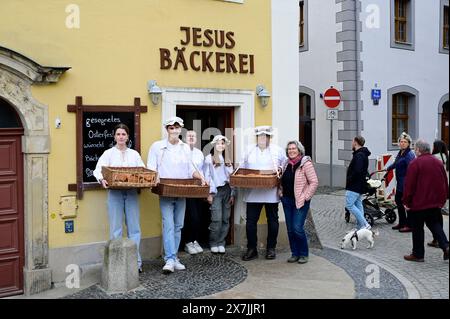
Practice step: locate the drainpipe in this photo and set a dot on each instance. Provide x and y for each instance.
(358, 67)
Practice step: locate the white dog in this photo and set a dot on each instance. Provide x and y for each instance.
(353, 236)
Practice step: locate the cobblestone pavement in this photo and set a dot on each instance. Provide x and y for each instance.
(429, 279)
(205, 274)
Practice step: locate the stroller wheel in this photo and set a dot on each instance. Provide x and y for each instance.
(390, 216)
(369, 218)
(347, 216)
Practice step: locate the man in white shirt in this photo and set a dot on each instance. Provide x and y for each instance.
(192, 220)
(263, 156)
(171, 159)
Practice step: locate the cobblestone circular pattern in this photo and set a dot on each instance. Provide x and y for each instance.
(388, 287)
(205, 274)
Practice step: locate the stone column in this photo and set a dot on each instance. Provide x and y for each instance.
(120, 269)
(37, 274)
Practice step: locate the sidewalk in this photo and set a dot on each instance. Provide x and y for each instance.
(331, 273)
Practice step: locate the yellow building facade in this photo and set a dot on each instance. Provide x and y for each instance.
(207, 56)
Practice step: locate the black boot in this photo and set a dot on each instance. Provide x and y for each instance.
(270, 254)
(251, 253)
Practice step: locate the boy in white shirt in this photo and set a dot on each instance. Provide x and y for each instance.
(170, 157)
(194, 206)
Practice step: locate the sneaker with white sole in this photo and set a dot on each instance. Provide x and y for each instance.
(221, 250)
(169, 267)
(190, 248)
(179, 266)
(215, 249)
(197, 247)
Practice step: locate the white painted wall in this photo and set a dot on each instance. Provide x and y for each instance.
(318, 69)
(424, 69)
(285, 80)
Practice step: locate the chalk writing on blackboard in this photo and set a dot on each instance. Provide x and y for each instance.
(98, 136)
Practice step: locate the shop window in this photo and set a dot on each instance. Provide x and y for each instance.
(303, 26)
(402, 108)
(402, 24)
(444, 30)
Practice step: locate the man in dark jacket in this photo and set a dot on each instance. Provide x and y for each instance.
(424, 194)
(356, 184)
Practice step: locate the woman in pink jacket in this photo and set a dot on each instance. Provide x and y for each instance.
(298, 185)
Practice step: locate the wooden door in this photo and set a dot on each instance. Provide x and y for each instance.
(220, 118)
(445, 124)
(11, 212)
(305, 123)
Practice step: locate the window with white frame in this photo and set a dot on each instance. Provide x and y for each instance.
(402, 24)
(444, 27)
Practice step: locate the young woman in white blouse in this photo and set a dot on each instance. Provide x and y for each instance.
(123, 200)
(218, 168)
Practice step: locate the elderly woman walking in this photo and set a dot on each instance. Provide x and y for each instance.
(298, 185)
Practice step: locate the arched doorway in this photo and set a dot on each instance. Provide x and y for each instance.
(11, 202)
(305, 123)
(445, 119)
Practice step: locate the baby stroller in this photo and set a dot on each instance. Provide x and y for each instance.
(372, 209)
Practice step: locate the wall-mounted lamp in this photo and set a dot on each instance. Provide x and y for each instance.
(154, 91)
(263, 95)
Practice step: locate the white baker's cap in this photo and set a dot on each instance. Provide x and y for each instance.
(220, 137)
(266, 130)
(172, 120)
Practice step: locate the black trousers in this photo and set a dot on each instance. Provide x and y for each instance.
(253, 213)
(431, 218)
(192, 219)
(403, 219)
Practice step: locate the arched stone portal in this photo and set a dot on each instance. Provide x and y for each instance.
(17, 74)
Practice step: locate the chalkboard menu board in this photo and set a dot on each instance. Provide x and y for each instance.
(95, 134)
(98, 136)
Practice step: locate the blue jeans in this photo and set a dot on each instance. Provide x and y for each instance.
(120, 201)
(353, 202)
(295, 224)
(172, 211)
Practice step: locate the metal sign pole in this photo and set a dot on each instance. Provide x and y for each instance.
(331, 153)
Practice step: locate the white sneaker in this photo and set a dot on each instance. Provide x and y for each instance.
(214, 249)
(169, 267)
(179, 266)
(197, 247)
(190, 248)
(221, 250)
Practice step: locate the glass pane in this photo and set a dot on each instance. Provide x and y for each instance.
(402, 126)
(401, 104)
(301, 23)
(8, 117)
(305, 105)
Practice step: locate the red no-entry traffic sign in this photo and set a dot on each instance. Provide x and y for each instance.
(332, 98)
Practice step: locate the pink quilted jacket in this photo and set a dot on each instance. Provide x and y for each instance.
(305, 182)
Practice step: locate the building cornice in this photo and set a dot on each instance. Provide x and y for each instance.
(28, 69)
